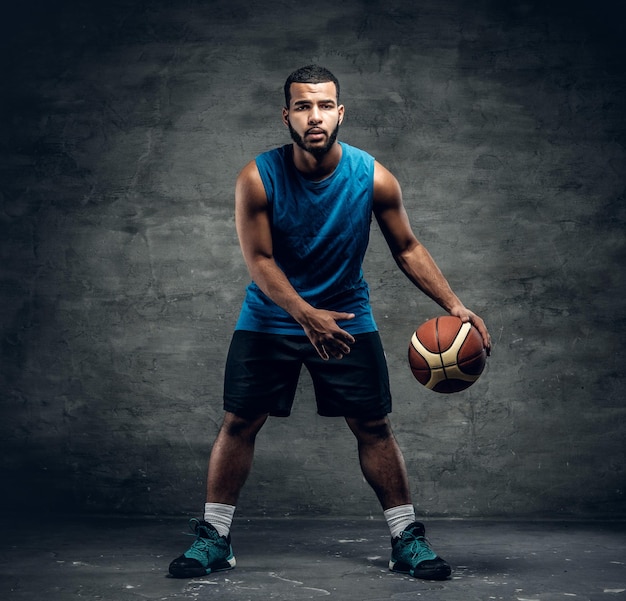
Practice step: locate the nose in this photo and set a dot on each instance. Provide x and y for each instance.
(314, 115)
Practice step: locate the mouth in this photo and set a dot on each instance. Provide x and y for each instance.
(315, 132)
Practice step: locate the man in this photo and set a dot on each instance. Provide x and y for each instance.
(303, 215)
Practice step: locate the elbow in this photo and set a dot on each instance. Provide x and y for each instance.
(406, 252)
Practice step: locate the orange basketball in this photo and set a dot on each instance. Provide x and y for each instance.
(447, 355)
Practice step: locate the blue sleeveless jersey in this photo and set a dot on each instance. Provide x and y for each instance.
(320, 232)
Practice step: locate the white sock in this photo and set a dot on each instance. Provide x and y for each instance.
(220, 516)
(398, 518)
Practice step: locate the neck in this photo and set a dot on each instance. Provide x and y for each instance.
(313, 167)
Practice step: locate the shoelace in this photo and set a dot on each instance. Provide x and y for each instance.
(418, 548)
(194, 523)
(202, 546)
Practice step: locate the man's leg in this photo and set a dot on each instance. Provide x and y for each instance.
(229, 467)
(384, 469)
(381, 461)
(231, 457)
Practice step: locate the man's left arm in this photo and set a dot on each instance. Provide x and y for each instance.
(411, 256)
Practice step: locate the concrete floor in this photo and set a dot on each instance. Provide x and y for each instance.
(112, 559)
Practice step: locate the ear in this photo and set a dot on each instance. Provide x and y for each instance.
(341, 109)
(286, 116)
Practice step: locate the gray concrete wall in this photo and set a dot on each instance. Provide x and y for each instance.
(123, 127)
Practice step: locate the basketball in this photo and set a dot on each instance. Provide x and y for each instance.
(447, 355)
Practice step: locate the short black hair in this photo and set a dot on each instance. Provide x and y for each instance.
(309, 74)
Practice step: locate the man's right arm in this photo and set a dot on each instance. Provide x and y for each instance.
(252, 220)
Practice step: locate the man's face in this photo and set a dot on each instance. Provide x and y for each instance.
(313, 116)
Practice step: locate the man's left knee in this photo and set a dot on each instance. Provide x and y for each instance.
(378, 429)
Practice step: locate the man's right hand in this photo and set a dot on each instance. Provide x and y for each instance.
(325, 335)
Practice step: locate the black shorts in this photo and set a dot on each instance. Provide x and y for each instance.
(262, 372)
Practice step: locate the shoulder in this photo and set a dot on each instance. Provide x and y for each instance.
(249, 186)
(258, 168)
(387, 189)
(249, 174)
(356, 154)
(271, 159)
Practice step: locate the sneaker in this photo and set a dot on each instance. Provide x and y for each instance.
(411, 554)
(209, 553)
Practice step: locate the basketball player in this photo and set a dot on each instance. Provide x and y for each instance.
(303, 215)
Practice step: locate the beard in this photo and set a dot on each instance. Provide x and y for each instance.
(317, 151)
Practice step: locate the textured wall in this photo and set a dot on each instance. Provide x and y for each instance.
(123, 127)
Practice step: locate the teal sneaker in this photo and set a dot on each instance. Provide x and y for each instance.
(209, 553)
(411, 554)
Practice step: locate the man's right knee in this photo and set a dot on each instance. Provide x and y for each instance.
(236, 425)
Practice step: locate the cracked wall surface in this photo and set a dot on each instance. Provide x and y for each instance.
(123, 128)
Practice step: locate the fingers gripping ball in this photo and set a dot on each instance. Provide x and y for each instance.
(447, 355)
